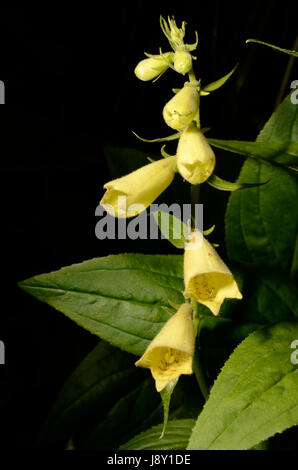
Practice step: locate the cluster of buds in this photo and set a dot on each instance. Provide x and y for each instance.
(194, 159)
(207, 279)
(180, 60)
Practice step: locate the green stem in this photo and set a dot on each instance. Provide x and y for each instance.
(194, 199)
(196, 361)
(200, 377)
(286, 76)
(192, 78)
(195, 196)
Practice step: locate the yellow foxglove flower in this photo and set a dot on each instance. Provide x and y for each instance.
(182, 109)
(195, 157)
(170, 354)
(207, 279)
(182, 62)
(150, 68)
(133, 193)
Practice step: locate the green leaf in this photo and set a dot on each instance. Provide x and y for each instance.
(118, 298)
(105, 390)
(281, 154)
(132, 413)
(255, 395)
(270, 297)
(218, 83)
(166, 394)
(261, 224)
(223, 185)
(107, 400)
(286, 51)
(172, 228)
(160, 139)
(176, 437)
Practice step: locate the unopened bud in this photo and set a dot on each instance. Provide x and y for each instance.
(195, 157)
(150, 68)
(182, 109)
(182, 62)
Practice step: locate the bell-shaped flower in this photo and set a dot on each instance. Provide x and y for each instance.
(195, 157)
(183, 108)
(207, 279)
(182, 62)
(170, 354)
(133, 193)
(155, 65)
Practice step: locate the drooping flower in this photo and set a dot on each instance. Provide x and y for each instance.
(133, 193)
(195, 157)
(183, 108)
(170, 354)
(155, 65)
(207, 278)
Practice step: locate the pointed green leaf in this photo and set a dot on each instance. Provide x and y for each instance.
(97, 396)
(218, 83)
(161, 139)
(286, 51)
(175, 438)
(223, 185)
(261, 224)
(166, 394)
(271, 297)
(118, 298)
(255, 395)
(281, 154)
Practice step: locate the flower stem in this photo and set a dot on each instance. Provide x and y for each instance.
(200, 377)
(196, 361)
(195, 197)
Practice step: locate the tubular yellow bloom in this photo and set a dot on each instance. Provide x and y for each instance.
(182, 62)
(207, 279)
(150, 68)
(182, 109)
(133, 193)
(171, 352)
(195, 157)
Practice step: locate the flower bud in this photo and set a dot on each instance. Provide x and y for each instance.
(150, 68)
(195, 157)
(133, 193)
(170, 354)
(176, 34)
(182, 109)
(182, 62)
(207, 279)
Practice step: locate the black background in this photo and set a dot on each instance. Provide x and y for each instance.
(70, 90)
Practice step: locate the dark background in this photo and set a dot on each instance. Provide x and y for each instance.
(70, 91)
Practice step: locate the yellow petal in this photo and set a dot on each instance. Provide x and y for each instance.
(195, 157)
(170, 354)
(207, 279)
(133, 193)
(182, 109)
